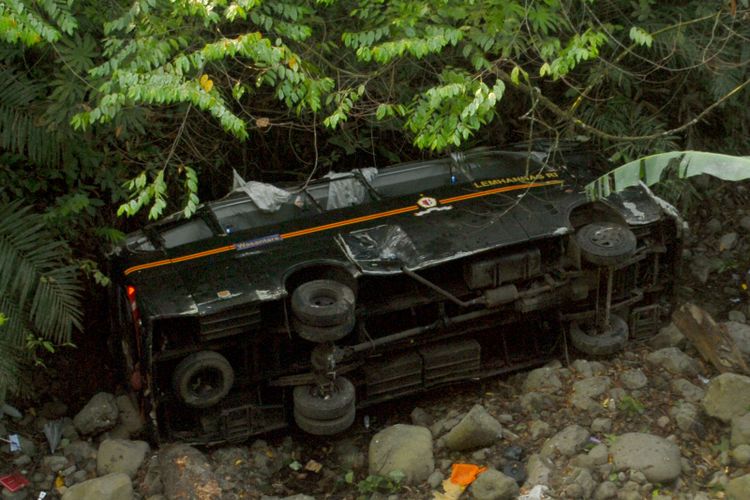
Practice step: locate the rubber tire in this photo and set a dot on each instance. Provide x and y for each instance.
(193, 364)
(323, 303)
(307, 404)
(320, 334)
(606, 243)
(610, 342)
(326, 427)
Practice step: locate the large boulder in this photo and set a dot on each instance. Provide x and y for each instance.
(727, 396)
(404, 448)
(187, 475)
(567, 442)
(115, 486)
(99, 414)
(493, 485)
(121, 455)
(477, 429)
(654, 456)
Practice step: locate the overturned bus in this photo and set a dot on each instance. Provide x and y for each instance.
(306, 303)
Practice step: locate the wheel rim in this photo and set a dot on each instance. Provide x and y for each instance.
(607, 237)
(205, 383)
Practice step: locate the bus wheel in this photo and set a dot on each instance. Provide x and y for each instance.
(202, 379)
(323, 303)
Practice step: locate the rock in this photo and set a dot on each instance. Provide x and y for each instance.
(713, 225)
(421, 417)
(120, 455)
(736, 316)
(151, 483)
(597, 455)
(80, 451)
(741, 430)
(606, 490)
(567, 442)
(583, 367)
(539, 429)
(539, 470)
(634, 379)
(542, 379)
(115, 486)
(582, 481)
(534, 402)
(745, 222)
(493, 485)
(688, 390)
(186, 474)
(476, 430)
(99, 414)
(515, 470)
(738, 487)
(685, 416)
(740, 334)
(592, 387)
(674, 361)
(435, 479)
(601, 425)
(662, 421)
(668, 336)
(55, 463)
(129, 416)
(727, 396)
(727, 241)
(741, 454)
(656, 457)
(406, 448)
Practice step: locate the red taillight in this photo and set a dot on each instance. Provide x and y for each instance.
(130, 292)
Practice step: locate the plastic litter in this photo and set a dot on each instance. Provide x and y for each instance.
(14, 440)
(538, 492)
(53, 432)
(465, 474)
(14, 482)
(267, 198)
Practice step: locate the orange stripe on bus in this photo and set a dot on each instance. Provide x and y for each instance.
(346, 222)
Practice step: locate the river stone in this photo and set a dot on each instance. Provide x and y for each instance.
(685, 416)
(656, 457)
(539, 470)
(542, 379)
(674, 361)
(99, 414)
(493, 485)
(727, 396)
(740, 334)
(728, 241)
(130, 417)
(688, 390)
(597, 455)
(80, 450)
(121, 455)
(741, 454)
(405, 448)
(668, 336)
(476, 430)
(592, 387)
(738, 488)
(567, 442)
(741, 430)
(606, 490)
(534, 402)
(186, 474)
(116, 486)
(634, 379)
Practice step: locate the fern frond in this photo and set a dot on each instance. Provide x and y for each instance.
(35, 275)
